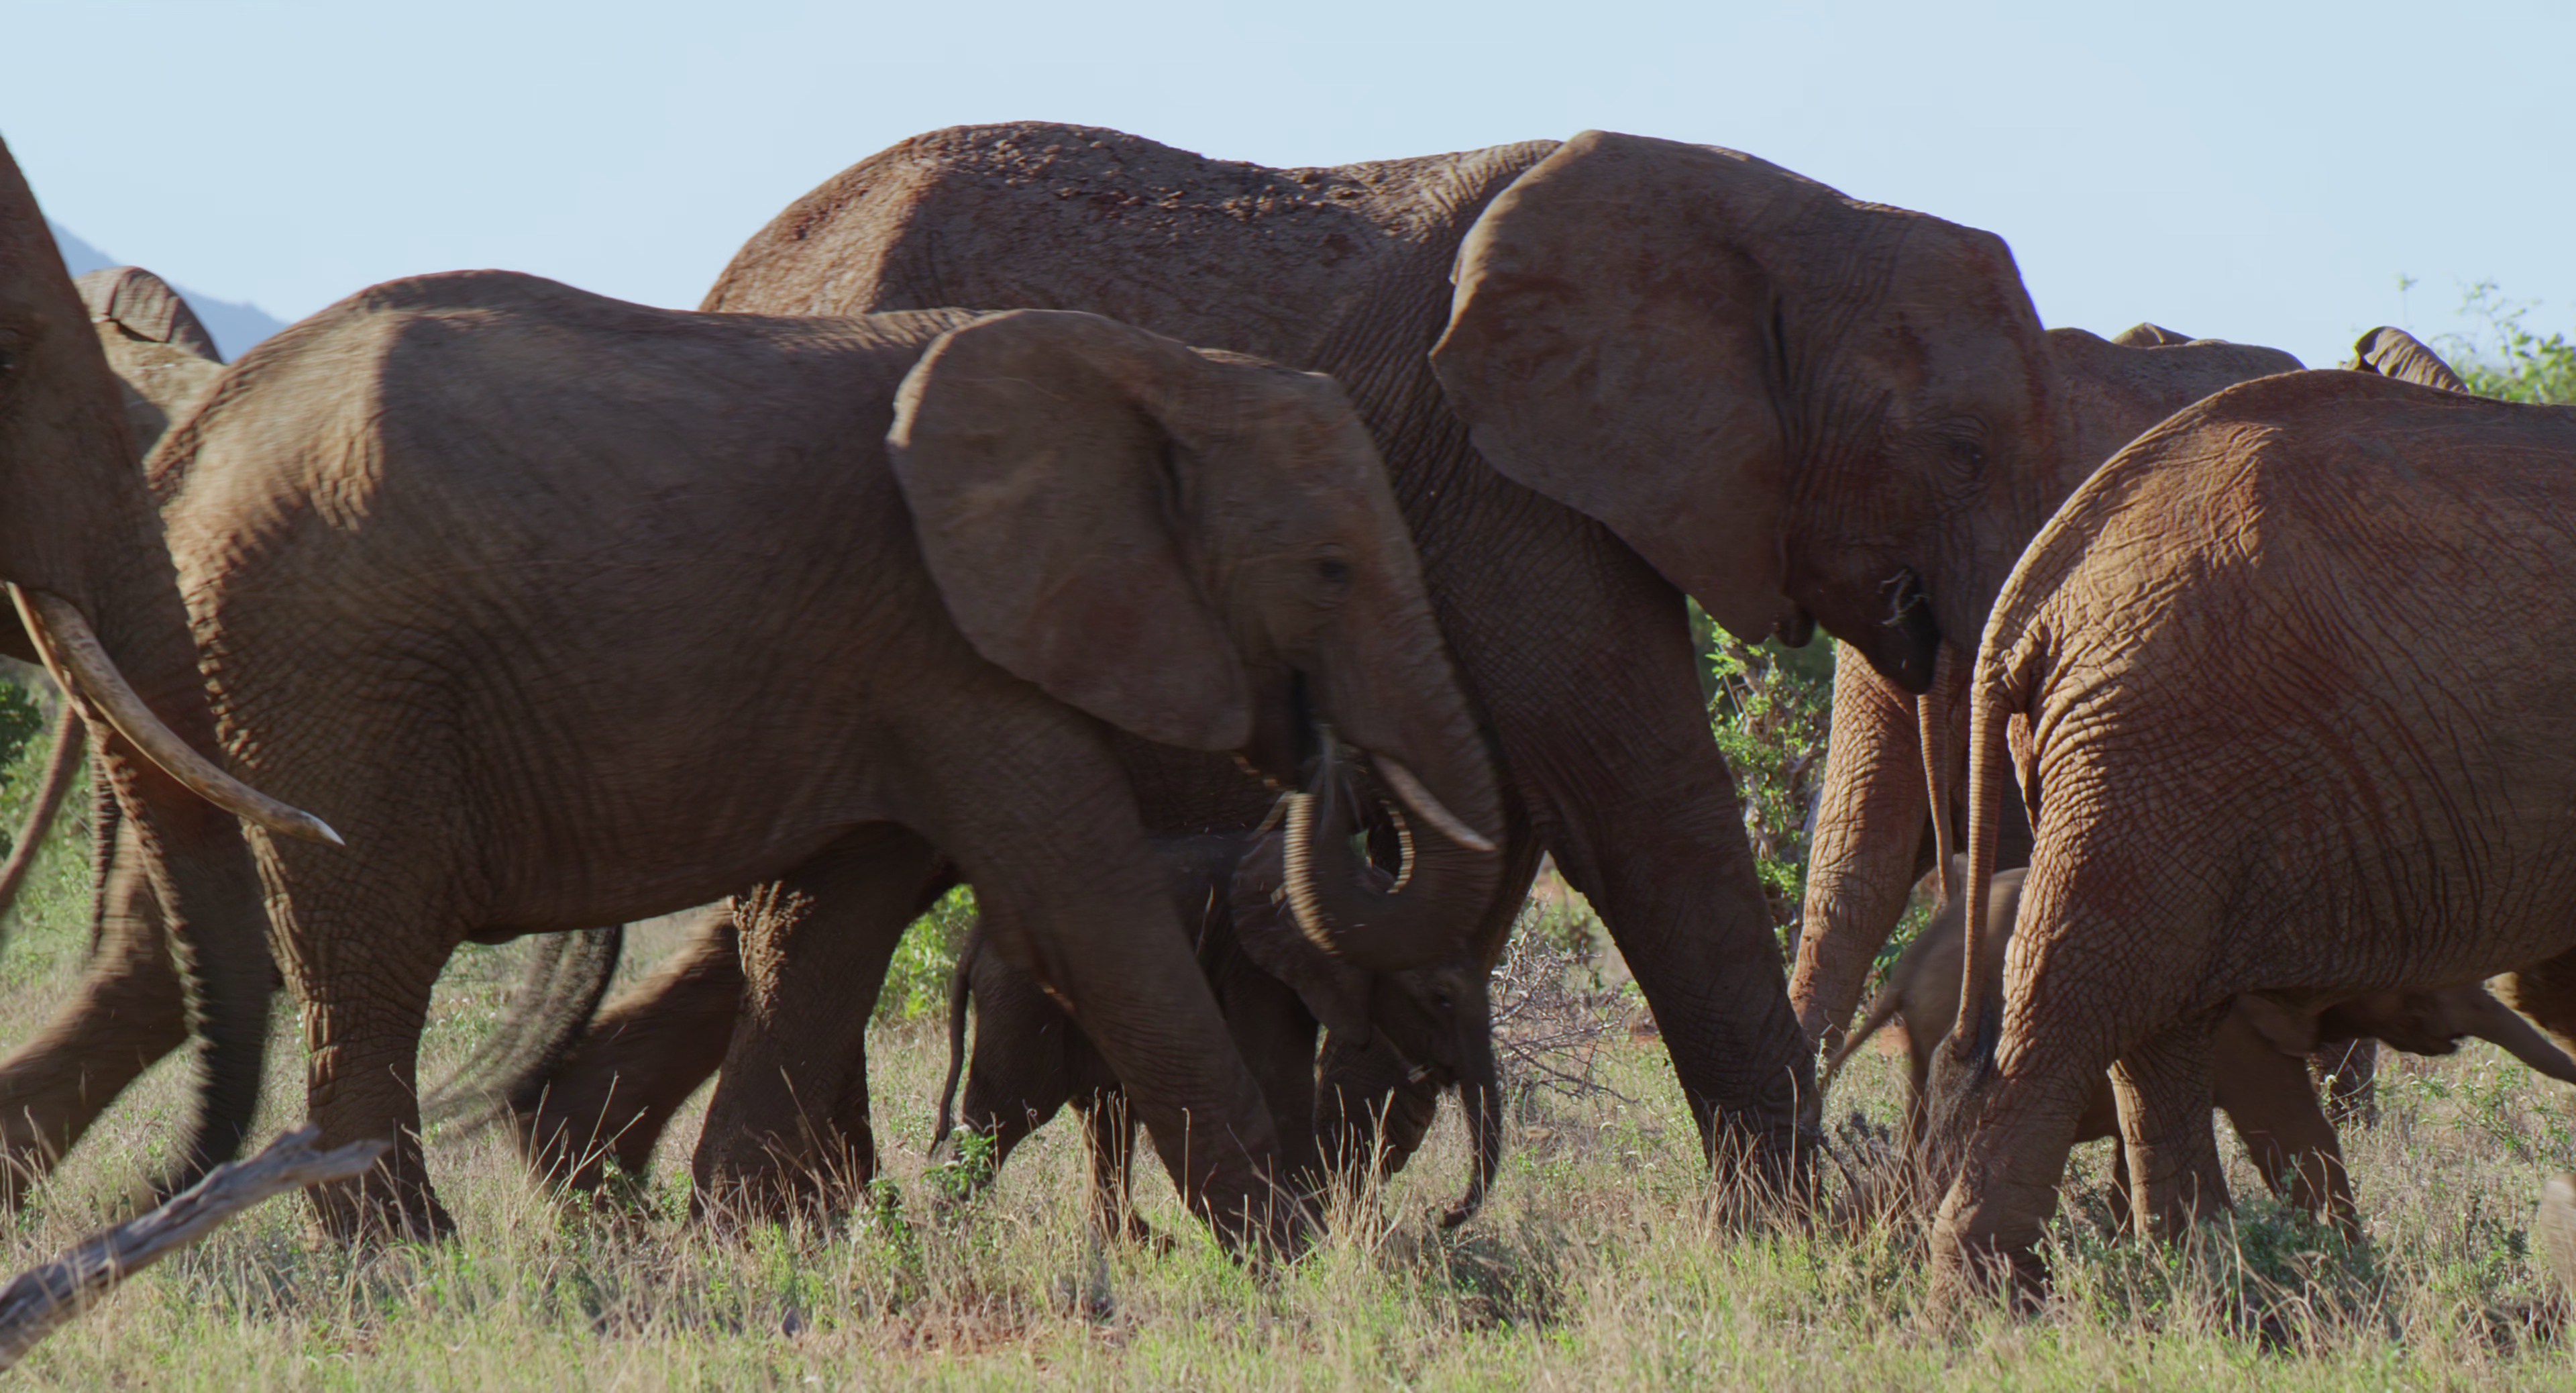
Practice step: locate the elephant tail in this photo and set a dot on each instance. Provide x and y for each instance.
(1881, 1011)
(1994, 692)
(71, 741)
(566, 978)
(961, 988)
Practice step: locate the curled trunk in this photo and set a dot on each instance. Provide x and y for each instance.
(1372, 919)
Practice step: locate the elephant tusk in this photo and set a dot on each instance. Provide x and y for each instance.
(1404, 853)
(1401, 782)
(1303, 905)
(77, 660)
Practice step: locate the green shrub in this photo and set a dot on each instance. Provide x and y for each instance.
(1770, 707)
(2506, 360)
(916, 984)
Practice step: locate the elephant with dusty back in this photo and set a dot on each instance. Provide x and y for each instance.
(1662, 368)
(483, 561)
(2379, 796)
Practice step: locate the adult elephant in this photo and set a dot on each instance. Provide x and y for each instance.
(1663, 368)
(2379, 797)
(1874, 836)
(447, 542)
(88, 568)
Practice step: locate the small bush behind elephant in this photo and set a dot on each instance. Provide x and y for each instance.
(1031, 1059)
(2259, 1077)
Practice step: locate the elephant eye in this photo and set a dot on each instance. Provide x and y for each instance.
(1334, 570)
(1969, 457)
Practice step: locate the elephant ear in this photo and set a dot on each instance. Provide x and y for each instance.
(1336, 992)
(2144, 335)
(2398, 354)
(1037, 450)
(1610, 348)
(144, 305)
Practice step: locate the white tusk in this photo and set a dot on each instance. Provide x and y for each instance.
(1415, 796)
(1299, 866)
(73, 654)
(1403, 853)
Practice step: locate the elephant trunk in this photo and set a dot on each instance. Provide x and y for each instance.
(1480, 1092)
(1359, 913)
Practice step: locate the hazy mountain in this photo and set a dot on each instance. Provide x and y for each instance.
(235, 325)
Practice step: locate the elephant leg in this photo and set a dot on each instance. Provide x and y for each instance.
(2268, 1099)
(129, 1013)
(1111, 1131)
(2164, 1092)
(365, 984)
(780, 1135)
(2350, 1072)
(1586, 668)
(2088, 978)
(635, 1066)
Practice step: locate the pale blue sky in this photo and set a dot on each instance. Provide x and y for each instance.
(2251, 170)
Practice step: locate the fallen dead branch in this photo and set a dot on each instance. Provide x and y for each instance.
(41, 1299)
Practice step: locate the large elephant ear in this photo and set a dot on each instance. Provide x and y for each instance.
(1610, 348)
(145, 306)
(1035, 449)
(2395, 353)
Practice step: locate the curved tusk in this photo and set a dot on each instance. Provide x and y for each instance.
(1298, 864)
(78, 661)
(1401, 782)
(1403, 853)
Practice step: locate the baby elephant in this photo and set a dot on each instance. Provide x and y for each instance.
(1030, 1058)
(2258, 1072)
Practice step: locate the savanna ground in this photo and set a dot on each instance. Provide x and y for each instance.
(1606, 1257)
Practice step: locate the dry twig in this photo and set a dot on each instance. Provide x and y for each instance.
(42, 1298)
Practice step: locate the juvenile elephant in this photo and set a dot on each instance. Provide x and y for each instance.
(496, 566)
(2258, 1075)
(1031, 1059)
(2379, 796)
(1661, 368)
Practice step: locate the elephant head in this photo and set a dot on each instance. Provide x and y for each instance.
(1314, 870)
(165, 361)
(1201, 549)
(1799, 407)
(2392, 352)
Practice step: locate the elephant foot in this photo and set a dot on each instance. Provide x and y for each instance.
(1970, 1274)
(2558, 1228)
(379, 1208)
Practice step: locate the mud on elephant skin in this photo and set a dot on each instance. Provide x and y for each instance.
(2155, 897)
(2258, 1076)
(928, 491)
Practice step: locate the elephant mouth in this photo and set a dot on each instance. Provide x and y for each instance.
(1909, 637)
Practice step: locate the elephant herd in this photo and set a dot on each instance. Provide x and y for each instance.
(1241, 577)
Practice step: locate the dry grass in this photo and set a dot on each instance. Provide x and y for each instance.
(1598, 1264)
